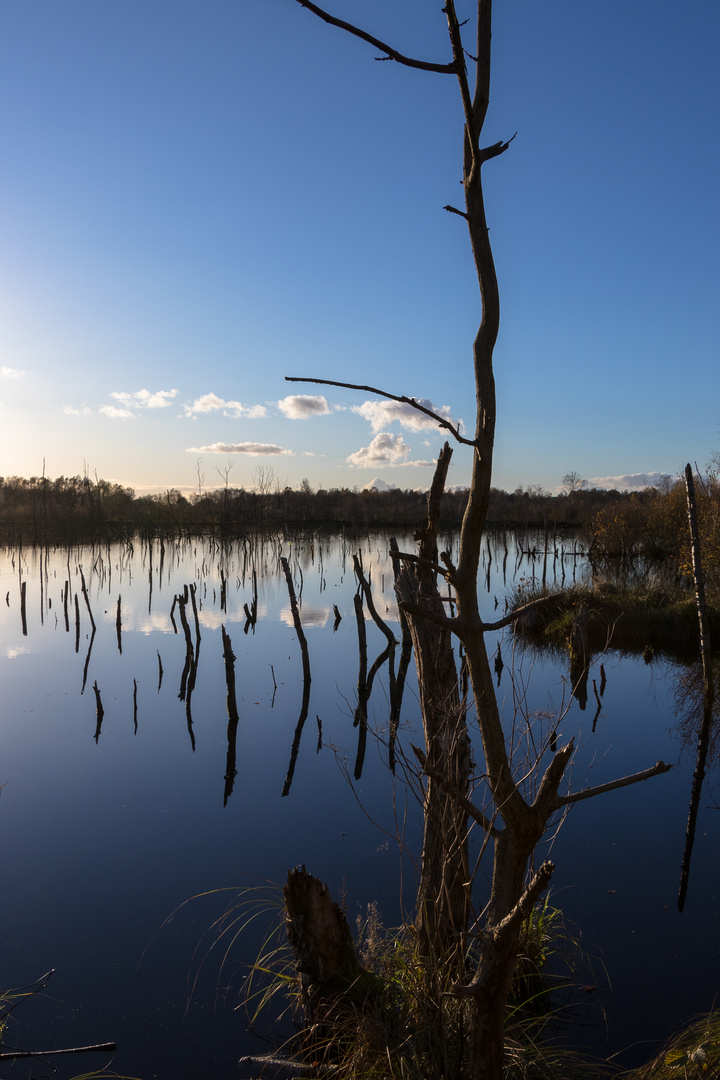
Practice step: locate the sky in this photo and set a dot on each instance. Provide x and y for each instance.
(199, 198)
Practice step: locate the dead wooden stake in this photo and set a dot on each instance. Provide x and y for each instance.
(99, 711)
(87, 598)
(118, 624)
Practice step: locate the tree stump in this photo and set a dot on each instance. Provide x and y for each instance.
(335, 986)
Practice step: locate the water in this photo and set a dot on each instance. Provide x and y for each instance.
(121, 846)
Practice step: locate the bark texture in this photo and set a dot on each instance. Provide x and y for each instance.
(443, 894)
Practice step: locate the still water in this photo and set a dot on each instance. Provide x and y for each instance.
(124, 840)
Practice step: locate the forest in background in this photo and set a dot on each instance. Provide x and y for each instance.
(67, 509)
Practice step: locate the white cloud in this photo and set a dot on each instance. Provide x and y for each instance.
(380, 414)
(11, 373)
(385, 449)
(212, 403)
(379, 485)
(116, 414)
(144, 399)
(631, 481)
(311, 616)
(254, 449)
(301, 406)
(70, 410)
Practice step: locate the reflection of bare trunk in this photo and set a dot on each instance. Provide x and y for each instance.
(708, 687)
(360, 721)
(118, 624)
(304, 707)
(695, 792)
(87, 659)
(365, 679)
(233, 717)
(193, 591)
(189, 651)
(307, 678)
(579, 656)
(251, 612)
(302, 640)
(23, 615)
(86, 597)
(192, 655)
(443, 900)
(99, 711)
(397, 682)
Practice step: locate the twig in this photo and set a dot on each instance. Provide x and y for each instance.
(391, 54)
(467, 805)
(13, 1054)
(589, 793)
(452, 428)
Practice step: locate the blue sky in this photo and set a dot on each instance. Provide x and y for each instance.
(200, 197)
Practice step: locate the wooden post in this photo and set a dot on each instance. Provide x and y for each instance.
(118, 624)
(233, 716)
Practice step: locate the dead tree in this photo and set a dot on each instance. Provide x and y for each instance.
(443, 902)
(519, 810)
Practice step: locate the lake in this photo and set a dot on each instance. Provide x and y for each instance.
(125, 840)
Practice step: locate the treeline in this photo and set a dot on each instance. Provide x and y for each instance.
(68, 508)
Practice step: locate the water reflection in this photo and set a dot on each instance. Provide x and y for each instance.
(698, 723)
(133, 820)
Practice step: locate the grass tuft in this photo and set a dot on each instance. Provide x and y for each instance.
(641, 620)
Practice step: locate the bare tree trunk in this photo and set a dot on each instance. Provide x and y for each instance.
(443, 894)
(518, 817)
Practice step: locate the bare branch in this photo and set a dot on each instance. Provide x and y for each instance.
(367, 592)
(407, 556)
(547, 792)
(471, 128)
(449, 565)
(12, 1055)
(495, 150)
(430, 616)
(521, 910)
(518, 613)
(524, 906)
(467, 805)
(589, 793)
(391, 54)
(454, 210)
(452, 428)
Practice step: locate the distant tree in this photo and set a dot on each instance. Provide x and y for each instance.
(572, 482)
